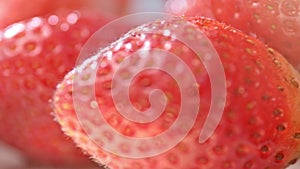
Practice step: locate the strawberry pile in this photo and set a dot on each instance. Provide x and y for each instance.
(147, 100)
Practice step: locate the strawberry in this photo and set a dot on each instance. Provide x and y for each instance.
(35, 54)
(274, 22)
(42, 7)
(259, 128)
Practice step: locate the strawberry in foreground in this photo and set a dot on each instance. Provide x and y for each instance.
(35, 55)
(260, 127)
(276, 23)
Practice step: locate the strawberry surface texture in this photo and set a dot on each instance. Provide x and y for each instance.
(35, 55)
(275, 22)
(260, 124)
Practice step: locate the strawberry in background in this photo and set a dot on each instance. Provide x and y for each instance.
(35, 54)
(276, 23)
(16, 10)
(260, 127)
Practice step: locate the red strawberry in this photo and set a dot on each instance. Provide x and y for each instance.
(17, 10)
(34, 57)
(275, 22)
(260, 126)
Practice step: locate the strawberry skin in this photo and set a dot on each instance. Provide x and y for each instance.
(260, 126)
(43, 7)
(274, 22)
(28, 10)
(34, 57)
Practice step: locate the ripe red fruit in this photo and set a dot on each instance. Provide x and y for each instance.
(274, 22)
(18, 10)
(34, 57)
(260, 127)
